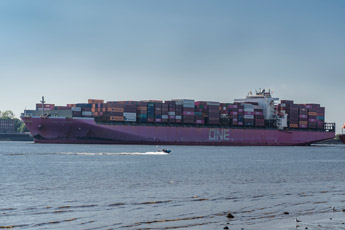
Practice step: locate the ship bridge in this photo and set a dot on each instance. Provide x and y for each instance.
(264, 99)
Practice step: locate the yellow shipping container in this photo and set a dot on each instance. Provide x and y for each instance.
(293, 125)
(303, 122)
(312, 113)
(116, 118)
(92, 101)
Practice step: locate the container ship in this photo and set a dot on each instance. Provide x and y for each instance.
(256, 120)
(342, 135)
(342, 138)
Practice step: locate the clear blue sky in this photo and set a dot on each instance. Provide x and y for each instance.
(70, 51)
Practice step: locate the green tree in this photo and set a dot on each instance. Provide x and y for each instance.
(22, 128)
(19, 125)
(8, 114)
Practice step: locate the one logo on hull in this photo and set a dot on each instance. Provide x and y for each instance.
(218, 134)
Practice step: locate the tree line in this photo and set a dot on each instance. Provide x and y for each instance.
(19, 125)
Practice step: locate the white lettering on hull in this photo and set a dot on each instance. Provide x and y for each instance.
(218, 135)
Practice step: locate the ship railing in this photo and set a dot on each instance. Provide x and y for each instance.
(329, 127)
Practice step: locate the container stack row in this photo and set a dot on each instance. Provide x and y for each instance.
(247, 114)
(186, 111)
(303, 116)
(47, 107)
(120, 111)
(177, 111)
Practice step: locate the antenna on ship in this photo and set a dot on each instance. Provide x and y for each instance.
(42, 105)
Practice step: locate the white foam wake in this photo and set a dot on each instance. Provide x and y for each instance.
(124, 153)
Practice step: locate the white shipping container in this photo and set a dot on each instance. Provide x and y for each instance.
(86, 113)
(165, 116)
(178, 117)
(188, 105)
(130, 119)
(248, 116)
(183, 101)
(248, 109)
(257, 107)
(213, 103)
(76, 109)
(171, 113)
(129, 114)
(248, 106)
(187, 101)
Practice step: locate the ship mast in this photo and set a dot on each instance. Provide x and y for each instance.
(42, 105)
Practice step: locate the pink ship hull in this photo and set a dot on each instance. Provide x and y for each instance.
(342, 138)
(68, 130)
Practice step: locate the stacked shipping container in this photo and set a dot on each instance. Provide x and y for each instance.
(188, 111)
(115, 111)
(212, 110)
(130, 111)
(165, 112)
(142, 111)
(303, 116)
(185, 110)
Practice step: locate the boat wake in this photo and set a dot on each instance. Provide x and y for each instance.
(124, 153)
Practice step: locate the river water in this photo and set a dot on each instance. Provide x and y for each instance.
(47, 186)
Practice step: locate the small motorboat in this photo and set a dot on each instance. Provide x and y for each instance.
(164, 150)
(342, 135)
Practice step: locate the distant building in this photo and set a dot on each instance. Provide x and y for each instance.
(7, 126)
